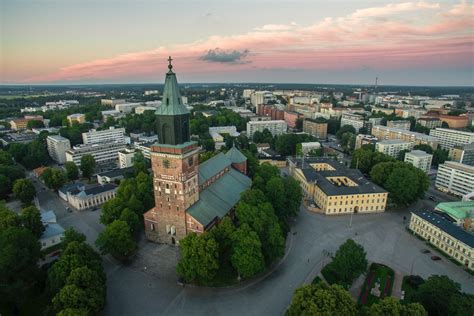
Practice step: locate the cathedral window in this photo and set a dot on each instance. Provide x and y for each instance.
(168, 229)
(152, 227)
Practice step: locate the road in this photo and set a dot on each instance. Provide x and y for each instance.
(148, 286)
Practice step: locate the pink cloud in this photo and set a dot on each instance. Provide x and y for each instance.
(381, 36)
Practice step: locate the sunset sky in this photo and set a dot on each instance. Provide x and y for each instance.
(331, 41)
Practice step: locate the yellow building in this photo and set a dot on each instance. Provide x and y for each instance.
(335, 189)
(78, 118)
(445, 235)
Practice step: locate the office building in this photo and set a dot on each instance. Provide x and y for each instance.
(392, 147)
(316, 128)
(218, 132)
(111, 102)
(455, 178)
(430, 122)
(463, 154)
(126, 107)
(277, 127)
(399, 124)
(57, 147)
(310, 146)
(362, 139)
(448, 138)
(444, 235)
(111, 113)
(141, 109)
(125, 157)
(78, 118)
(352, 119)
(109, 135)
(336, 189)
(105, 154)
(384, 132)
(24, 137)
(419, 159)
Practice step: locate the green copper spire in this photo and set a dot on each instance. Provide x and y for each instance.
(172, 115)
(171, 103)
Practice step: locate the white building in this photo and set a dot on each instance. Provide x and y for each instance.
(57, 147)
(141, 109)
(247, 93)
(392, 147)
(111, 113)
(455, 178)
(276, 127)
(125, 158)
(448, 138)
(88, 198)
(217, 131)
(309, 146)
(105, 154)
(261, 97)
(53, 233)
(151, 92)
(419, 159)
(399, 124)
(144, 148)
(109, 135)
(126, 107)
(352, 119)
(111, 102)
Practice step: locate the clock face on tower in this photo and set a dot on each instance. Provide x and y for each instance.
(166, 163)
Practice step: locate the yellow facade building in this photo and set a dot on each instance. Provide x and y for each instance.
(445, 235)
(335, 189)
(78, 118)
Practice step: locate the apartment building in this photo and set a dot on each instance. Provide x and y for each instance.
(419, 159)
(430, 122)
(392, 147)
(111, 102)
(448, 138)
(352, 119)
(402, 124)
(78, 118)
(445, 235)
(105, 154)
(316, 128)
(384, 132)
(362, 139)
(125, 158)
(109, 135)
(57, 147)
(276, 127)
(455, 178)
(335, 189)
(463, 154)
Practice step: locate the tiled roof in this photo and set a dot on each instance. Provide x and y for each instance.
(235, 155)
(221, 196)
(213, 166)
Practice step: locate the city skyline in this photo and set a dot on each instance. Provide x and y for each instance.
(339, 42)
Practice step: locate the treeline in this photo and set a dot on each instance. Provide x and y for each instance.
(249, 243)
(284, 144)
(9, 173)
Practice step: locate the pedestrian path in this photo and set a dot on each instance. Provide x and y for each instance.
(397, 285)
(356, 287)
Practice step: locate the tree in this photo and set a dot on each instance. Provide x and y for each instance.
(71, 235)
(389, 306)
(401, 154)
(293, 196)
(5, 158)
(54, 178)
(72, 172)
(424, 147)
(345, 129)
(440, 156)
(140, 164)
(8, 218)
(131, 218)
(34, 124)
(439, 294)
(321, 299)
(349, 262)
(87, 165)
(116, 240)
(24, 190)
(199, 258)
(275, 192)
(19, 255)
(30, 218)
(247, 257)
(222, 234)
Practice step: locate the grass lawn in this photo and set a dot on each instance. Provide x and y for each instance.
(381, 274)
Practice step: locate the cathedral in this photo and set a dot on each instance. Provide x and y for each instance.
(189, 197)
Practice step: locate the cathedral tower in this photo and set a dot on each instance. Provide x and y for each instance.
(175, 163)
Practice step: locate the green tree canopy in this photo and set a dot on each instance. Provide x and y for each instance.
(321, 299)
(389, 306)
(247, 257)
(54, 178)
(117, 240)
(24, 190)
(31, 219)
(87, 165)
(199, 258)
(72, 172)
(349, 262)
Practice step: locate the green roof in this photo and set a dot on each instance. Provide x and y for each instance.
(220, 197)
(213, 166)
(171, 103)
(235, 155)
(457, 210)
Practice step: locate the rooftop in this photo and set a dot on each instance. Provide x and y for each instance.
(448, 227)
(457, 210)
(392, 142)
(116, 172)
(419, 153)
(363, 186)
(213, 166)
(235, 156)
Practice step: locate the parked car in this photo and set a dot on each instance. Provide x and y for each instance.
(435, 258)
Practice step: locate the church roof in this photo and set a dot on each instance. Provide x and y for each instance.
(220, 197)
(235, 155)
(213, 166)
(171, 103)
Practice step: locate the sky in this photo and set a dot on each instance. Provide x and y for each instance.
(278, 41)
